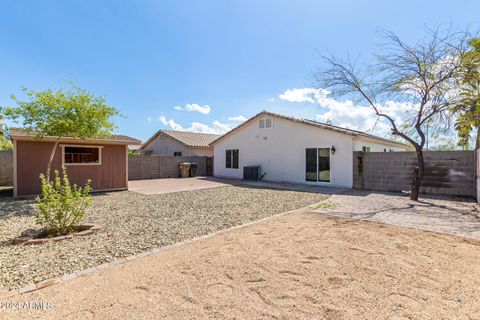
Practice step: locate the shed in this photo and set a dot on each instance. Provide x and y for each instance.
(103, 160)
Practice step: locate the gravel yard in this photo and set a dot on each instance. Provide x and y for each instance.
(132, 223)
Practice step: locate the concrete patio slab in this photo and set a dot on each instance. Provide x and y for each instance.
(169, 185)
(295, 187)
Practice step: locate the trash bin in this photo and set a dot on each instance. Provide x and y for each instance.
(184, 169)
(193, 169)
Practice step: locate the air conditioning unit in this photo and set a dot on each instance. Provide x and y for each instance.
(251, 173)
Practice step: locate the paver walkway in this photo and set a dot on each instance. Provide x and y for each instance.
(451, 216)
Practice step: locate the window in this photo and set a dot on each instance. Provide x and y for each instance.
(317, 164)
(81, 155)
(231, 159)
(391, 150)
(365, 149)
(384, 150)
(265, 123)
(177, 153)
(268, 122)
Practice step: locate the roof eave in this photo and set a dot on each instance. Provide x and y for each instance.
(20, 137)
(306, 122)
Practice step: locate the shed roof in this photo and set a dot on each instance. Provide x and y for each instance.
(16, 133)
(326, 126)
(191, 139)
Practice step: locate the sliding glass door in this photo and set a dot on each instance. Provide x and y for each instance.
(317, 164)
(311, 164)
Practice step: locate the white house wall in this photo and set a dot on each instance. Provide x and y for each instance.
(375, 146)
(280, 151)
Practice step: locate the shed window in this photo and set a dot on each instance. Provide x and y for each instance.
(177, 153)
(231, 159)
(81, 155)
(365, 149)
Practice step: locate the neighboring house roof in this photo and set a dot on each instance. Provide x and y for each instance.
(326, 126)
(190, 139)
(16, 133)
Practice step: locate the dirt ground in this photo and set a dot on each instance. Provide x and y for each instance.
(297, 266)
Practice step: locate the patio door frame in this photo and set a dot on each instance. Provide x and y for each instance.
(318, 181)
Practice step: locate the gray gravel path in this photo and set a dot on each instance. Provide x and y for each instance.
(132, 223)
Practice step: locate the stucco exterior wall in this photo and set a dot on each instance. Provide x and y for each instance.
(359, 142)
(280, 151)
(164, 145)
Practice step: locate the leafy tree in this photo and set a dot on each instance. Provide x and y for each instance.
(60, 113)
(5, 144)
(468, 108)
(425, 76)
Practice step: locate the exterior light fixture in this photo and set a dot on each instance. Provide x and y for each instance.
(333, 149)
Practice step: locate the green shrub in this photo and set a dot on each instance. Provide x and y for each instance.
(62, 206)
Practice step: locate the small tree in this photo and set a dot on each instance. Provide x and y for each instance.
(61, 206)
(468, 108)
(62, 113)
(426, 76)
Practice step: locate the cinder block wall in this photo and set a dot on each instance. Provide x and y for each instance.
(6, 168)
(155, 167)
(446, 172)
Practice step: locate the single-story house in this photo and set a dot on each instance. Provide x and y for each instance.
(179, 143)
(288, 149)
(103, 160)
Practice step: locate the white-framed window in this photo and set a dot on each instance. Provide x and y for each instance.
(265, 123)
(365, 149)
(231, 158)
(81, 155)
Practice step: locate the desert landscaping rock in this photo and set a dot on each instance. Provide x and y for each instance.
(132, 223)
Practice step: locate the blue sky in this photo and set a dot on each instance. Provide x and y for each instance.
(212, 60)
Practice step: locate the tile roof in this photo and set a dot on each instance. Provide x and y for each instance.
(312, 123)
(18, 132)
(191, 139)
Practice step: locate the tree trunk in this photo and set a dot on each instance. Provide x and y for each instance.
(418, 174)
(52, 154)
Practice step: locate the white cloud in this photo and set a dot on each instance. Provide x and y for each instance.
(149, 119)
(216, 128)
(310, 95)
(237, 118)
(271, 99)
(347, 114)
(163, 120)
(203, 109)
(174, 125)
